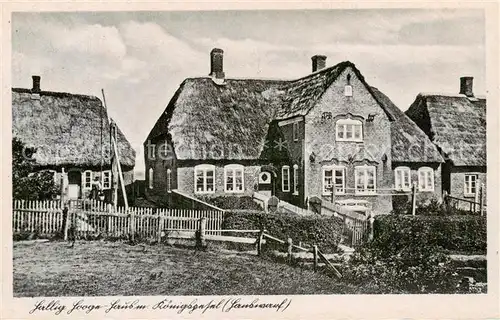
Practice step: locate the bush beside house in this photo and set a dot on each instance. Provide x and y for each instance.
(325, 232)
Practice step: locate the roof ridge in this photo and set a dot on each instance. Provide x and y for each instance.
(55, 93)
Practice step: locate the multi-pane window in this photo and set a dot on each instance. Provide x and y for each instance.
(169, 180)
(106, 179)
(204, 176)
(87, 180)
(150, 178)
(470, 184)
(295, 131)
(365, 179)
(233, 177)
(349, 130)
(425, 179)
(295, 179)
(402, 180)
(285, 179)
(333, 177)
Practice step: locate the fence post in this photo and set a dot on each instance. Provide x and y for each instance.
(481, 199)
(414, 198)
(66, 222)
(289, 250)
(259, 242)
(132, 224)
(160, 225)
(200, 241)
(315, 255)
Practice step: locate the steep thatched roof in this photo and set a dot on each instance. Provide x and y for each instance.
(206, 120)
(409, 142)
(455, 123)
(301, 95)
(65, 128)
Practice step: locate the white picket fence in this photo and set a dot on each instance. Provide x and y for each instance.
(97, 218)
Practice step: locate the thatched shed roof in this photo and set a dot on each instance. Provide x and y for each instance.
(455, 123)
(65, 128)
(409, 142)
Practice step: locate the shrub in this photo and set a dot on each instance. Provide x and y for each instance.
(233, 202)
(417, 268)
(323, 231)
(463, 233)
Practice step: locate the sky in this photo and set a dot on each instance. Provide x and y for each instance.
(141, 58)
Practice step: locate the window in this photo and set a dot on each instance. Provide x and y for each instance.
(87, 180)
(233, 177)
(470, 185)
(349, 130)
(333, 177)
(402, 178)
(150, 178)
(106, 179)
(169, 180)
(285, 179)
(348, 91)
(326, 116)
(295, 131)
(425, 179)
(365, 179)
(204, 178)
(295, 179)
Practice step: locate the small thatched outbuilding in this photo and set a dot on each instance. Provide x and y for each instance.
(71, 134)
(456, 124)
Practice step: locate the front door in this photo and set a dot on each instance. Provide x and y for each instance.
(266, 183)
(74, 182)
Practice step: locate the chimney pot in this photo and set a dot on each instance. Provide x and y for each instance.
(216, 63)
(318, 62)
(466, 86)
(36, 84)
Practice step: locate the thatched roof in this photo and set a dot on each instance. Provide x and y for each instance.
(205, 120)
(301, 95)
(65, 128)
(409, 142)
(455, 123)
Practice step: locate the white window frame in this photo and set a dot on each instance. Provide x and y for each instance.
(365, 190)
(150, 177)
(106, 186)
(287, 185)
(334, 169)
(399, 178)
(87, 185)
(169, 180)
(342, 125)
(233, 169)
(295, 131)
(423, 174)
(295, 179)
(468, 184)
(348, 90)
(204, 168)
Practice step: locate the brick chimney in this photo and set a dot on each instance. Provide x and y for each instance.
(36, 84)
(466, 86)
(318, 62)
(216, 63)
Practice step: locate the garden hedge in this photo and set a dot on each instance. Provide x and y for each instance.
(325, 232)
(457, 234)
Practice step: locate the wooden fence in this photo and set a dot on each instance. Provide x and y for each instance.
(94, 218)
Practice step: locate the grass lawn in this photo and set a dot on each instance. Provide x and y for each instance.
(112, 268)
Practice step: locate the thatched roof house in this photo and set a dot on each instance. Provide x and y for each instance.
(65, 128)
(204, 116)
(455, 123)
